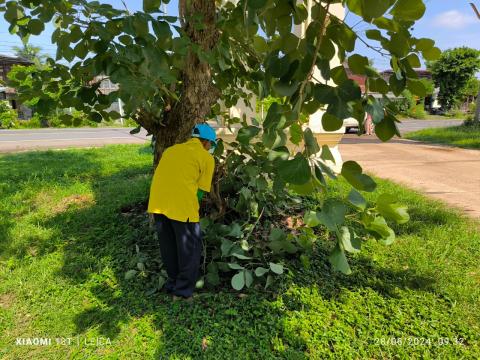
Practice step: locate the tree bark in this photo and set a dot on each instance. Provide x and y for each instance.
(197, 93)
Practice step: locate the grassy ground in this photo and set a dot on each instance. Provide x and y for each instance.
(65, 247)
(461, 136)
(435, 117)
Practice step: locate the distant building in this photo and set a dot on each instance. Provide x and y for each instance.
(7, 93)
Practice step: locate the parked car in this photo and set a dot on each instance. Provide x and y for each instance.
(350, 124)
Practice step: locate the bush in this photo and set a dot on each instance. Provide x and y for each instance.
(33, 123)
(417, 112)
(455, 113)
(472, 107)
(8, 116)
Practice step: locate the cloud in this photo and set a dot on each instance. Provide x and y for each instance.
(453, 19)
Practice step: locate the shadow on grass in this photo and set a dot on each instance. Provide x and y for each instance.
(99, 247)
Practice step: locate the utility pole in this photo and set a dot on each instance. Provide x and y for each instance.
(477, 107)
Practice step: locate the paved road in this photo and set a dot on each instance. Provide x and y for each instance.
(414, 125)
(445, 173)
(20, 140)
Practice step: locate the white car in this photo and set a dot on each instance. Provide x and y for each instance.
(349, 124)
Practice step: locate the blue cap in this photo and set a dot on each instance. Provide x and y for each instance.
(204, 131)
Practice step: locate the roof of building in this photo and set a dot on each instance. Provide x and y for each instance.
(14, 60)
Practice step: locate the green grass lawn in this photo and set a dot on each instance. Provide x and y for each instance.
(65, 246)
(461, 136)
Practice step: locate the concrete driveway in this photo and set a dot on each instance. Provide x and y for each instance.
(445, 173)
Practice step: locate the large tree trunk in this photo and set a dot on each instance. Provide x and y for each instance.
(197, 92)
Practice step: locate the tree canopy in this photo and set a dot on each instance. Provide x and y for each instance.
(453, 71)
(175, 71)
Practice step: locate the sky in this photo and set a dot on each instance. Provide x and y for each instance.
(451, 23)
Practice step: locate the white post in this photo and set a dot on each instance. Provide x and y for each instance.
(120, 109)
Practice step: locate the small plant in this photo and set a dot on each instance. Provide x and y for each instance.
(8, 116)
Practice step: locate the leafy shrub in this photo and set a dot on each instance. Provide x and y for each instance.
(455, 113)
(472, 107)
(8, 116)
(253, 221)
(417, 112)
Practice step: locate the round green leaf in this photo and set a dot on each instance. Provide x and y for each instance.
(238, 280)
(276, 268)
(36, 27)
(260, 271)
(295, 171)
(352, 172)
(409, 10)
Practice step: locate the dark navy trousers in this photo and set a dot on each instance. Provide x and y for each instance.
(181, 250)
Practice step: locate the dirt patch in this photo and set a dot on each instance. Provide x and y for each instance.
(79, 201)
(6, 300)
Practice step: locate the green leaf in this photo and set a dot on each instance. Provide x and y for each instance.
(130, 274)
(331, 122)
(382, 230)
(332, 215)
(276, 268)
(259, 44)
(432, 54)
(256, 4)
(388, 207)
(245, 134)
(277, 234)
(327, 154)
(375, 109)
(424, 44)
(369, 9)
(387, 128)
(285, 89)
(238, 281)
(290, 43)
(36, 27)
(136, 130)
(345, 238)
(409, 10)
(295, 171)
(397, 85)
(150, 6)
(339, 261)
(248, 277)
(357, 200)
(374, 34)
(235, 266)
(226, 247)
(342, 35)
(240, 256)
(352, 172)
(269, 281)
(260, 271)
(416, 87)
(311, 219)
(399, 45)
(310, 142)
(358, 63)
(414, 61)
(279, 153)
(296, 133)
(161, 29)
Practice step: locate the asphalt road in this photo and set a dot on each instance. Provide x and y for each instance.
(35, 139)
(21, 140)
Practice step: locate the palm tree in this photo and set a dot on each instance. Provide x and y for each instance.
(29, 52)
